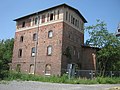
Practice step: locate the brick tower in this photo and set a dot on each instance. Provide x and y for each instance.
(48, 40)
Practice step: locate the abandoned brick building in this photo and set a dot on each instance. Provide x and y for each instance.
(48, 41)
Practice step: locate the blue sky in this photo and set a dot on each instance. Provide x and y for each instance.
(106, 10)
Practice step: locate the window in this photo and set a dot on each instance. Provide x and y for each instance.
(69, 17)
(21, 39)
(34, 37)
(73, 20)
(20, 53)
(50, 34)
(23, 24)
(58, 15)
(31, 69)
(76, 22)
(33, 52)
(51, 16)
(48, 69)
(36, 21)
(18, 67)
(66, 15)
(43, 18)
(48, 17)
(49, 50)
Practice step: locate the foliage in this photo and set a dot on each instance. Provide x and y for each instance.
(108, 57)
(62, 79)
(6, 49)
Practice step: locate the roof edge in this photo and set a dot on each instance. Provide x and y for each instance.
(64, 4)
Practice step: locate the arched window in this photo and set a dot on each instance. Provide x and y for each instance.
(31, 69)
(18, 68)
(21, 39)
(34, 37)
(48, 69)
(50, 34)
(20, 53)
(33, 52)
(49, 50)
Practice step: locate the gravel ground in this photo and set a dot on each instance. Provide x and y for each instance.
(32, 85)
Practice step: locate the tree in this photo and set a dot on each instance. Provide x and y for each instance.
(108, 57)
(6, 50)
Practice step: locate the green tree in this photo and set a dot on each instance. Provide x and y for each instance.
(6, 50)
(108, 57)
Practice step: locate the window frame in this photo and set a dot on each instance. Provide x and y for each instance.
(34, 36)
(21, 38)
(33, 52)
(49, 50)
(50, 34)
(20, 53)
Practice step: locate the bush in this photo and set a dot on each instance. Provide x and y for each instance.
(62, 79)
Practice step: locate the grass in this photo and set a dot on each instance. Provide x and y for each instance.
(61, 79)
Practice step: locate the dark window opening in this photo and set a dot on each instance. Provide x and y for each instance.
(23, 24)
(20, 53)
(21, 39)
(51, 16)
(36, 20)
(43, 18)
(34, 37)
(58, 15)
(66, 15)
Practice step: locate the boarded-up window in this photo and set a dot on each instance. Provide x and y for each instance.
(48, 69)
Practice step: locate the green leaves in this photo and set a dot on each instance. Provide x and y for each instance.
(6, 49)
(108, 56)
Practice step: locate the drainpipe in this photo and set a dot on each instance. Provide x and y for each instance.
(36, 43)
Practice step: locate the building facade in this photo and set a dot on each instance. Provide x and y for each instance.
(48, 41)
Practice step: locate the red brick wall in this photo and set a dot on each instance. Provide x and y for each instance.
(43, 41)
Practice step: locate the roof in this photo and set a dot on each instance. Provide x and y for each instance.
(65, 5)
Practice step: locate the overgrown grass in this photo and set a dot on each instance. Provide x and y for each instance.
(62, 79)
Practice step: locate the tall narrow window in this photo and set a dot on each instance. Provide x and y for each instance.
(69, 17)
(23, 24)
(58, 15)
(48, 69)
(33, 52)
(48, 17)
(21, 39)
(31, 69)
(51, 16)
(36, 21)
(20, 53)
(34, 37)
(18, 67)
(66, 15)
(50, 34)
(78, 55)
(43, 18)
(49, 50)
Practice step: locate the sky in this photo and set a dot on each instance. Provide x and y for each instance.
(105, 10)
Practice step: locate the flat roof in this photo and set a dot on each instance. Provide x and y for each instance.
(65, 5)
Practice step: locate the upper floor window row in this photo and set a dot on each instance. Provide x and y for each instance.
(50, 16)
(70, 18)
